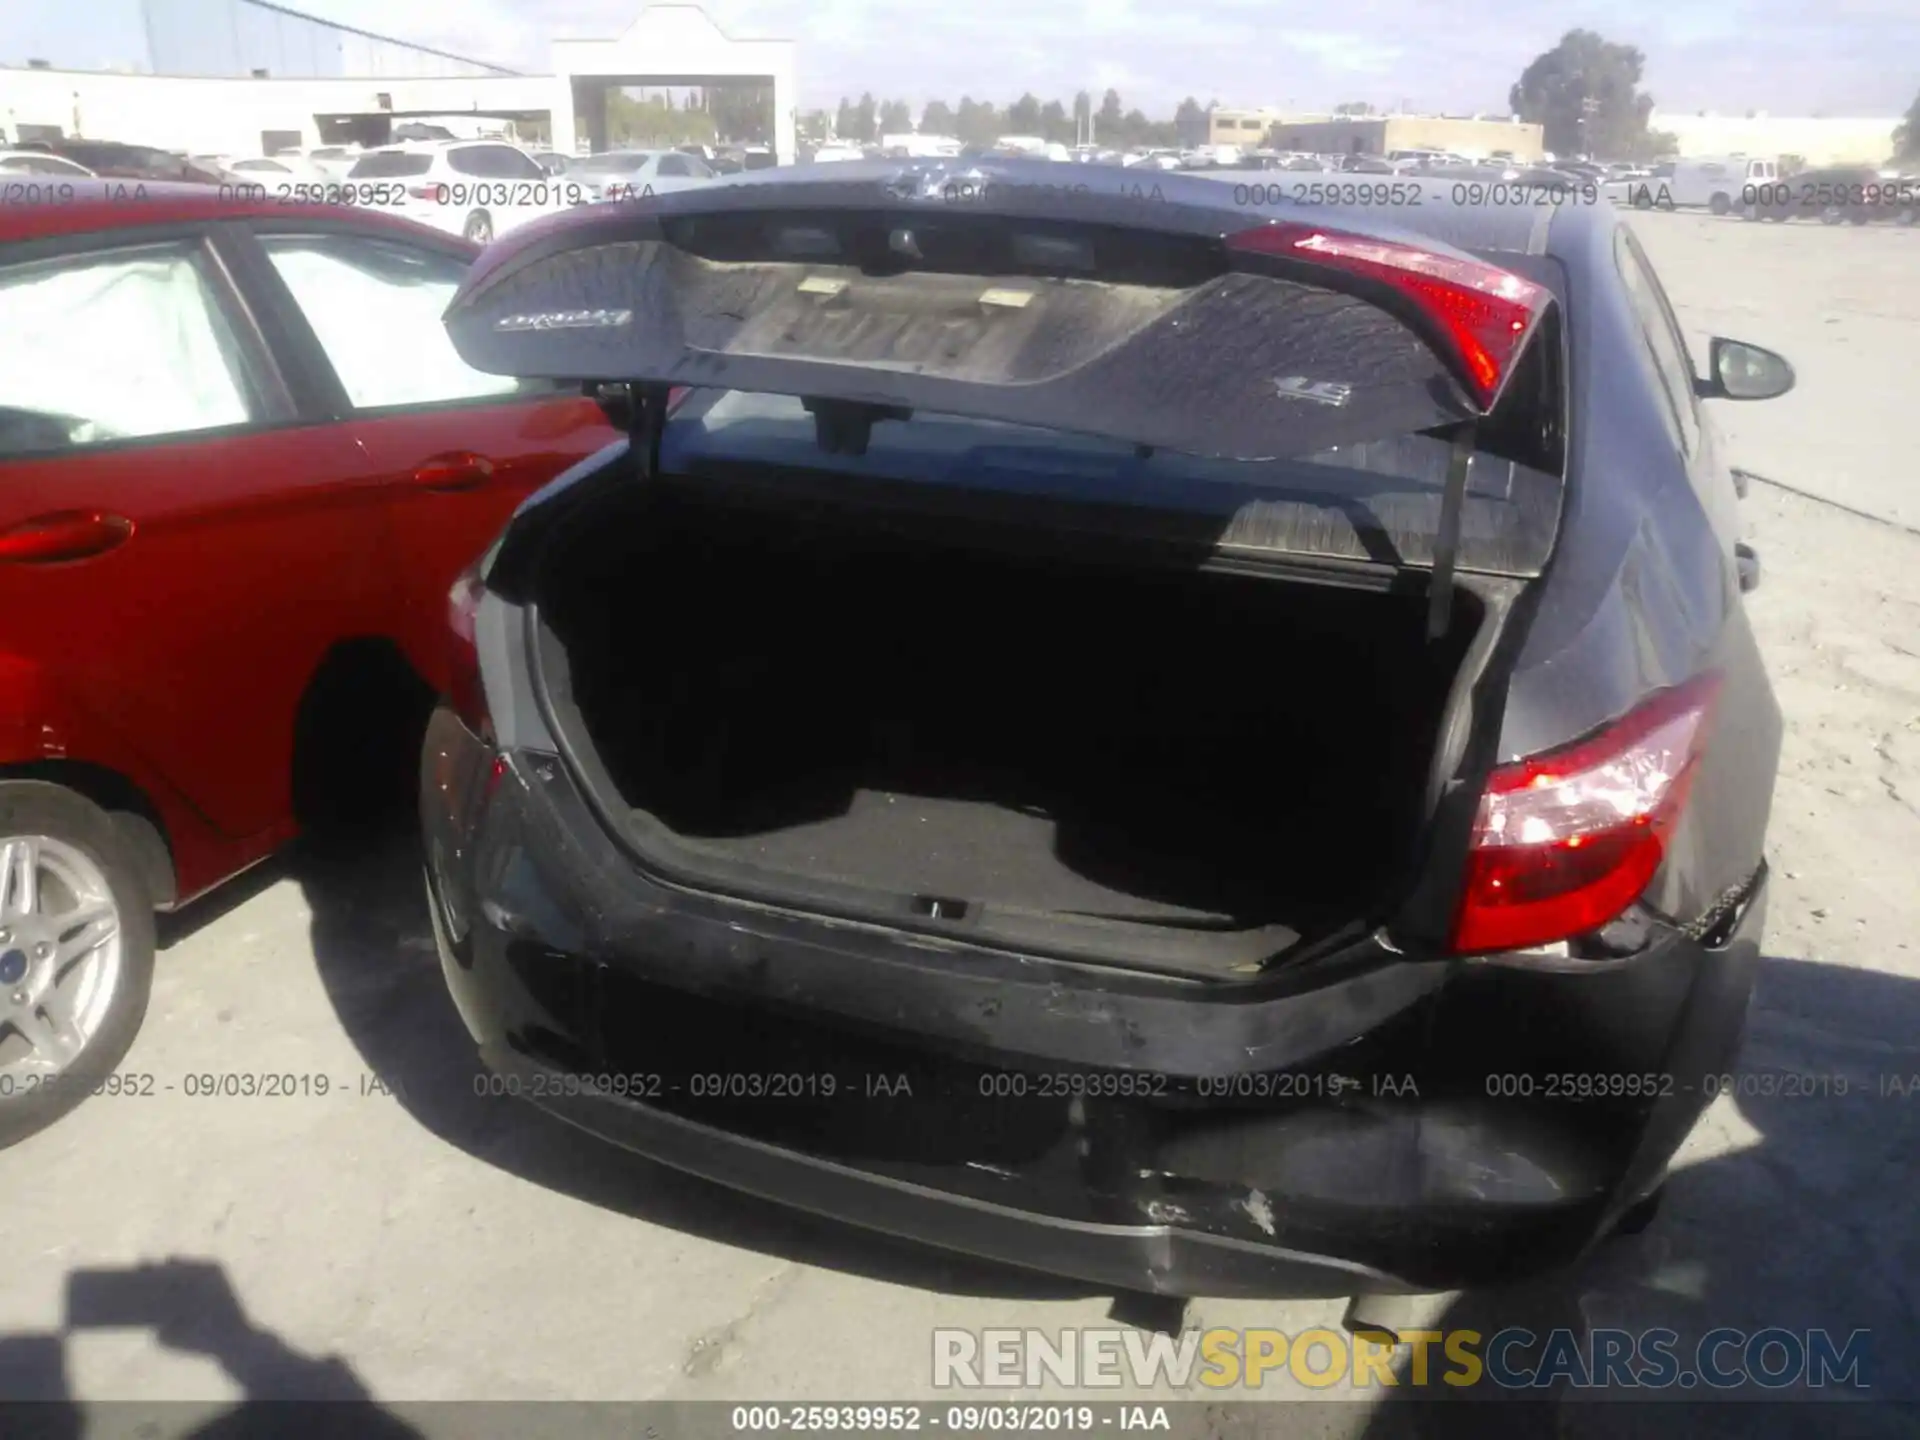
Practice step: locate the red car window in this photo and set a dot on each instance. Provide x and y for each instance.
(124, 344)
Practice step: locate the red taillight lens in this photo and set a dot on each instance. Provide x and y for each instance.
(1567, 840)
(423, 192)
(1485, 312)
(465, 691)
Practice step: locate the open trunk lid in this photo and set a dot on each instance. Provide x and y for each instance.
(1355, 381)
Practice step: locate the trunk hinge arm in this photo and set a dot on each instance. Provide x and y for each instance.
(646, 423)
(1446, 544)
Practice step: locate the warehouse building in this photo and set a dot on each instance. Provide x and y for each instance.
(1474, 136)
(248, 76)
(1816, 140)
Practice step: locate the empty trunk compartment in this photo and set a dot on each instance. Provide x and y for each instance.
(821, 707)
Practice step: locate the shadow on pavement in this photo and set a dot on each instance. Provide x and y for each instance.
(191, 1308)
(1807, 1224)
(373, 944)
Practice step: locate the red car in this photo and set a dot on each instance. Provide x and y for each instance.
(240, 467)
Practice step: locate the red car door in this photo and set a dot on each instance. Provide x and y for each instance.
(457, 449)
(178, 547)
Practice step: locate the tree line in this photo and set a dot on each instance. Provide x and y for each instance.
(981, 122)
(1584, 92)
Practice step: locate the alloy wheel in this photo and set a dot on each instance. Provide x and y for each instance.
(61, 955)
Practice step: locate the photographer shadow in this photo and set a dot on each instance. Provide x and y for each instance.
(191, 1308)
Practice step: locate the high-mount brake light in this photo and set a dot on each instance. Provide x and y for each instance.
(1485, 313)
(1566, 840)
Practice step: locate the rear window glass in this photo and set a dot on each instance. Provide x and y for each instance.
(616, 162)
(1379, 500)
(391, 165)
(494, 162)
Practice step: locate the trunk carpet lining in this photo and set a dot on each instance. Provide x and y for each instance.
(795, 693)
(959, 849)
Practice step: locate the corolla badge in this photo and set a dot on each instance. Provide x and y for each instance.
(1321, 392)
(566, 320)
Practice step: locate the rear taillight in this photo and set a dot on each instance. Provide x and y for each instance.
(465, 690)
(423, 192)
(1485, 313)
(1565, 841)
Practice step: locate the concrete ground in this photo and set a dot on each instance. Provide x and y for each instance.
(403, 1238)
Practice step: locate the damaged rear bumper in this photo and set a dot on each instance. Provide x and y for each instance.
(1366, 1123)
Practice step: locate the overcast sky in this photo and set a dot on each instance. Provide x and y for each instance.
(1835, 57)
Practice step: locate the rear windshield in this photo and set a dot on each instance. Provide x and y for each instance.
(616, 162)
(494, 162)
(1377, 501)
(390, 165)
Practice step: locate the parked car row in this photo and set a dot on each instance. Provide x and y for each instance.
(1762, 189)
(114, 160)
(624, 174)
(1127, 951)
(1847, 194)
(37, 162)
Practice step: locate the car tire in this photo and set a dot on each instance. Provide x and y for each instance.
(78, 848)
(1859, 218)
(479, 228)
(1720, 204)
(1831, 216)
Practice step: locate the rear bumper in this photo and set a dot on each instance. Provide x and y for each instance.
(1382, 1123)
(1158, 1258)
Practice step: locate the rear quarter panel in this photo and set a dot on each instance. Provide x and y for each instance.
(43, 724)
(1642, 593)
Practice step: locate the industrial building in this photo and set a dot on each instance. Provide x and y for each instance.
(1472, 136)
(1817, 140)
(1245, 128)
(247, 76)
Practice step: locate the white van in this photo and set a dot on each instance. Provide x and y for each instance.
(1718, 181)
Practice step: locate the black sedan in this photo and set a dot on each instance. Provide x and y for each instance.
(1202, 750)
(1854, 194)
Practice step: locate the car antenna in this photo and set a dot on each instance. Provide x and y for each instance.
(1446, 544)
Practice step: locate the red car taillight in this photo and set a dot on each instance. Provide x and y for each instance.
(1485, 313)
(423, 192)
(466, 692)
(1567, 840)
